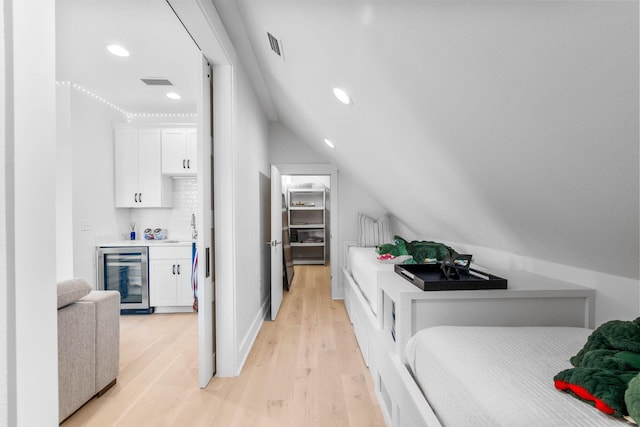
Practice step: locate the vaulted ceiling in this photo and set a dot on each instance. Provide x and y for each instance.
(510, 125)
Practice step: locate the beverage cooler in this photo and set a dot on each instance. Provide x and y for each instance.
(126, 270)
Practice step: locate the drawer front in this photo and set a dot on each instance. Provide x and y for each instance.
(169, 252)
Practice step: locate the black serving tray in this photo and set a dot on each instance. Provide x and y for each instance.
(429, 277)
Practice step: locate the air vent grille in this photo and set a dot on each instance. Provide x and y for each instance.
(276, 45)
(157, 82)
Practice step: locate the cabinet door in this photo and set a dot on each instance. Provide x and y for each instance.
(162, 282)
(184, 293)
(149, 168)
(126, 167)
(192, 151)
(174, 151)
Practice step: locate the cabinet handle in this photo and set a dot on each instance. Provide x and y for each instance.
(135, 197)
(183, 164)
(174, 269)
(140, 197)
(178, 268)
(188, 164)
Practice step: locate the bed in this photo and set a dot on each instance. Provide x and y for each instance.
(361, 295)
(363, 266)
(387, 311)
(493, 376)
(404, 311)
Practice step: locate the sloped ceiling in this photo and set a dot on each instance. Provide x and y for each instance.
(511, 125)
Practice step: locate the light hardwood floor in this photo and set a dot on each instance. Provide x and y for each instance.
(305, 369)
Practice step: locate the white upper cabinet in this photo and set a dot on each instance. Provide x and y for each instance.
(179, 152)
(126, 167)
(139, 182)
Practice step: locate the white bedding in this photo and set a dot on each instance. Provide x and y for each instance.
(364, 266)
(500, 376)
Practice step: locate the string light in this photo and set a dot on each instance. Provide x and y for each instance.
(129, 116)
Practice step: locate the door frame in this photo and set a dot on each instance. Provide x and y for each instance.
(332, 171)
(203, 23)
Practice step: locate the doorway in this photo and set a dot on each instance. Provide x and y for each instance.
(97, 89)
(308, 216)
(317, 185)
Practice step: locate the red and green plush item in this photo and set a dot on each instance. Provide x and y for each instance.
(396, 250)
(421, 251)
(606, 370)
(632, 398)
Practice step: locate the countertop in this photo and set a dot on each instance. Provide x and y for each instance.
(142, 242)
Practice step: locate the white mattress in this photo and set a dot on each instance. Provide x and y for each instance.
(364, 266)
(494, 376)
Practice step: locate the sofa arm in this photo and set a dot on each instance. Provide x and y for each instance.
(107, 309)
(76, 357)
(71, 290)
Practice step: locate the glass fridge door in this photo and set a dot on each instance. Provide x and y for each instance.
(126, 272)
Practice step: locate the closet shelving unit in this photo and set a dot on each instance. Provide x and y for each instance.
(307, 223)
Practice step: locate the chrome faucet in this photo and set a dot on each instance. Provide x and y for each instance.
(194, 232)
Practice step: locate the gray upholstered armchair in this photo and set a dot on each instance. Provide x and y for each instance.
(88, 343)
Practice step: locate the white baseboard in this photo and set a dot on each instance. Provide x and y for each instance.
(250, 338)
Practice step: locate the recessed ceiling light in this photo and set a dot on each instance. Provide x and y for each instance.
(342, 96)
(173, 95)
(329, 143)
(117, 50)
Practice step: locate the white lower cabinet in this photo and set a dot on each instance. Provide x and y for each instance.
(170, 276)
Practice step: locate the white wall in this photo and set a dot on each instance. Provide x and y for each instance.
(251, 159)
(64, 184)
(616, 297)
(94, 214)
(287, 147)
(85, 192)
(30, 174)
(5, 273)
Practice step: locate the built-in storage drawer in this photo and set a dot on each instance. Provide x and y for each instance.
(169, 252)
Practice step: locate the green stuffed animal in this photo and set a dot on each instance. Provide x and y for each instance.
(425, 251)
(421, 251)
(632, 398)
(398, 249)
(606, 369)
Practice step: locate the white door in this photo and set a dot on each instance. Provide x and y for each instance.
(126, 161)
(162, 276)
(184, 292)
(276, 241)
(149, 168)
(174, 150)
(204, 223)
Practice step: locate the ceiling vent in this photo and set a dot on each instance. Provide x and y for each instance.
(276, 45)
(157, 82)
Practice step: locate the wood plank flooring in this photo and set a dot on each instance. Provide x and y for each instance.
(305, 369)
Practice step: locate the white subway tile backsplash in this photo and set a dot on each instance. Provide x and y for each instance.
(176, 220)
